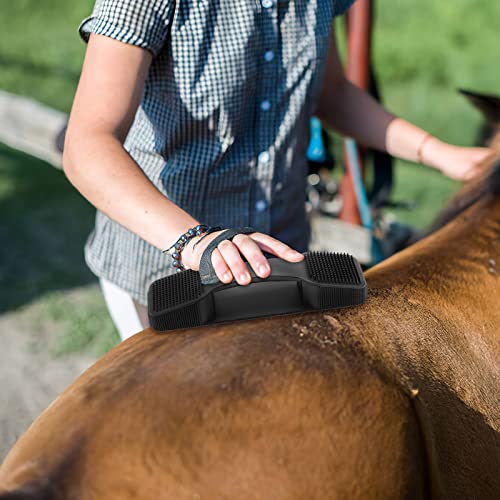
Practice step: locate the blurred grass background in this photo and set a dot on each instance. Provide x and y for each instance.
(423, 52)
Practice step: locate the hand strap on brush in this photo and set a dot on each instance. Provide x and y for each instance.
(207, 272)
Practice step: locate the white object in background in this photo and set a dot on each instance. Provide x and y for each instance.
(334, 235)
(121, 309)
(31, 127)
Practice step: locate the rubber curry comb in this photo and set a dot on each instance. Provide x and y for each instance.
(322, 280)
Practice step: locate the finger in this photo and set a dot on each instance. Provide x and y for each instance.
(233, 259)
(251, 250)
(276, 247)
(221, 268)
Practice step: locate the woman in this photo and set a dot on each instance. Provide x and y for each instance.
(194, 112)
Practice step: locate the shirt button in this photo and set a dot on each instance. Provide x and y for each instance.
(279, 186)
(269, 55)
(260, 205)
(267, 4)
(265, 105)
(264, 157)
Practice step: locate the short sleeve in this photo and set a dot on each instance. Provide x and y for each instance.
(341, 6)
(143, 23)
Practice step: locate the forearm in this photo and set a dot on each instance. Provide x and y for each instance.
(107, 176)
(354, 113)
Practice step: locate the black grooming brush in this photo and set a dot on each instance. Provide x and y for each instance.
(322, 280)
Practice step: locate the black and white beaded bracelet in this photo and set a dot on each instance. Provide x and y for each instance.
(179, 245)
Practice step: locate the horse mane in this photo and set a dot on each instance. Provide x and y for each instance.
(486, 184)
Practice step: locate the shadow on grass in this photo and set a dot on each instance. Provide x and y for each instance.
(44, 223)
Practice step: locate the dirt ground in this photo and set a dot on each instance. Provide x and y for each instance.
(30, 377)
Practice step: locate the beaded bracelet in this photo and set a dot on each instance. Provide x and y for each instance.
(183, 240)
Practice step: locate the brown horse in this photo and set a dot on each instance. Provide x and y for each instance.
(398, 398)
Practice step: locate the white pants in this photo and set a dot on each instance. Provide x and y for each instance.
(121, 309)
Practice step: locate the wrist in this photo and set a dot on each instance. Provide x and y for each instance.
(432, 152)
(188, 253)
(197, 232)
(184, 239)
(181, 229)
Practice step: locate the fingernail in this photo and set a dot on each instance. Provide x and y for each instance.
(263, 268)
(226, 276)
(244, 277)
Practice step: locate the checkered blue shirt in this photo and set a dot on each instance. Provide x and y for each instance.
(223, 126)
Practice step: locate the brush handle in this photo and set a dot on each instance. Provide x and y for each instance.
(279, 269)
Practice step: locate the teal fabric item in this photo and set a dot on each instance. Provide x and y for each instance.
(316, 151)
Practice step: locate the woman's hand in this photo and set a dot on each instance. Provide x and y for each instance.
(226, 258)
(459, 163)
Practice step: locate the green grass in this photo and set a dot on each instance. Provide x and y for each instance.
(423, 52)
(40, 51)
(45, 222)
(83, 322)
(43, 226)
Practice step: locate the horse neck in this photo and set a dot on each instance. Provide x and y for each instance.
(458, 265)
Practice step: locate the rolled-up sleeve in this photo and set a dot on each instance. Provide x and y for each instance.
(144, 23)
